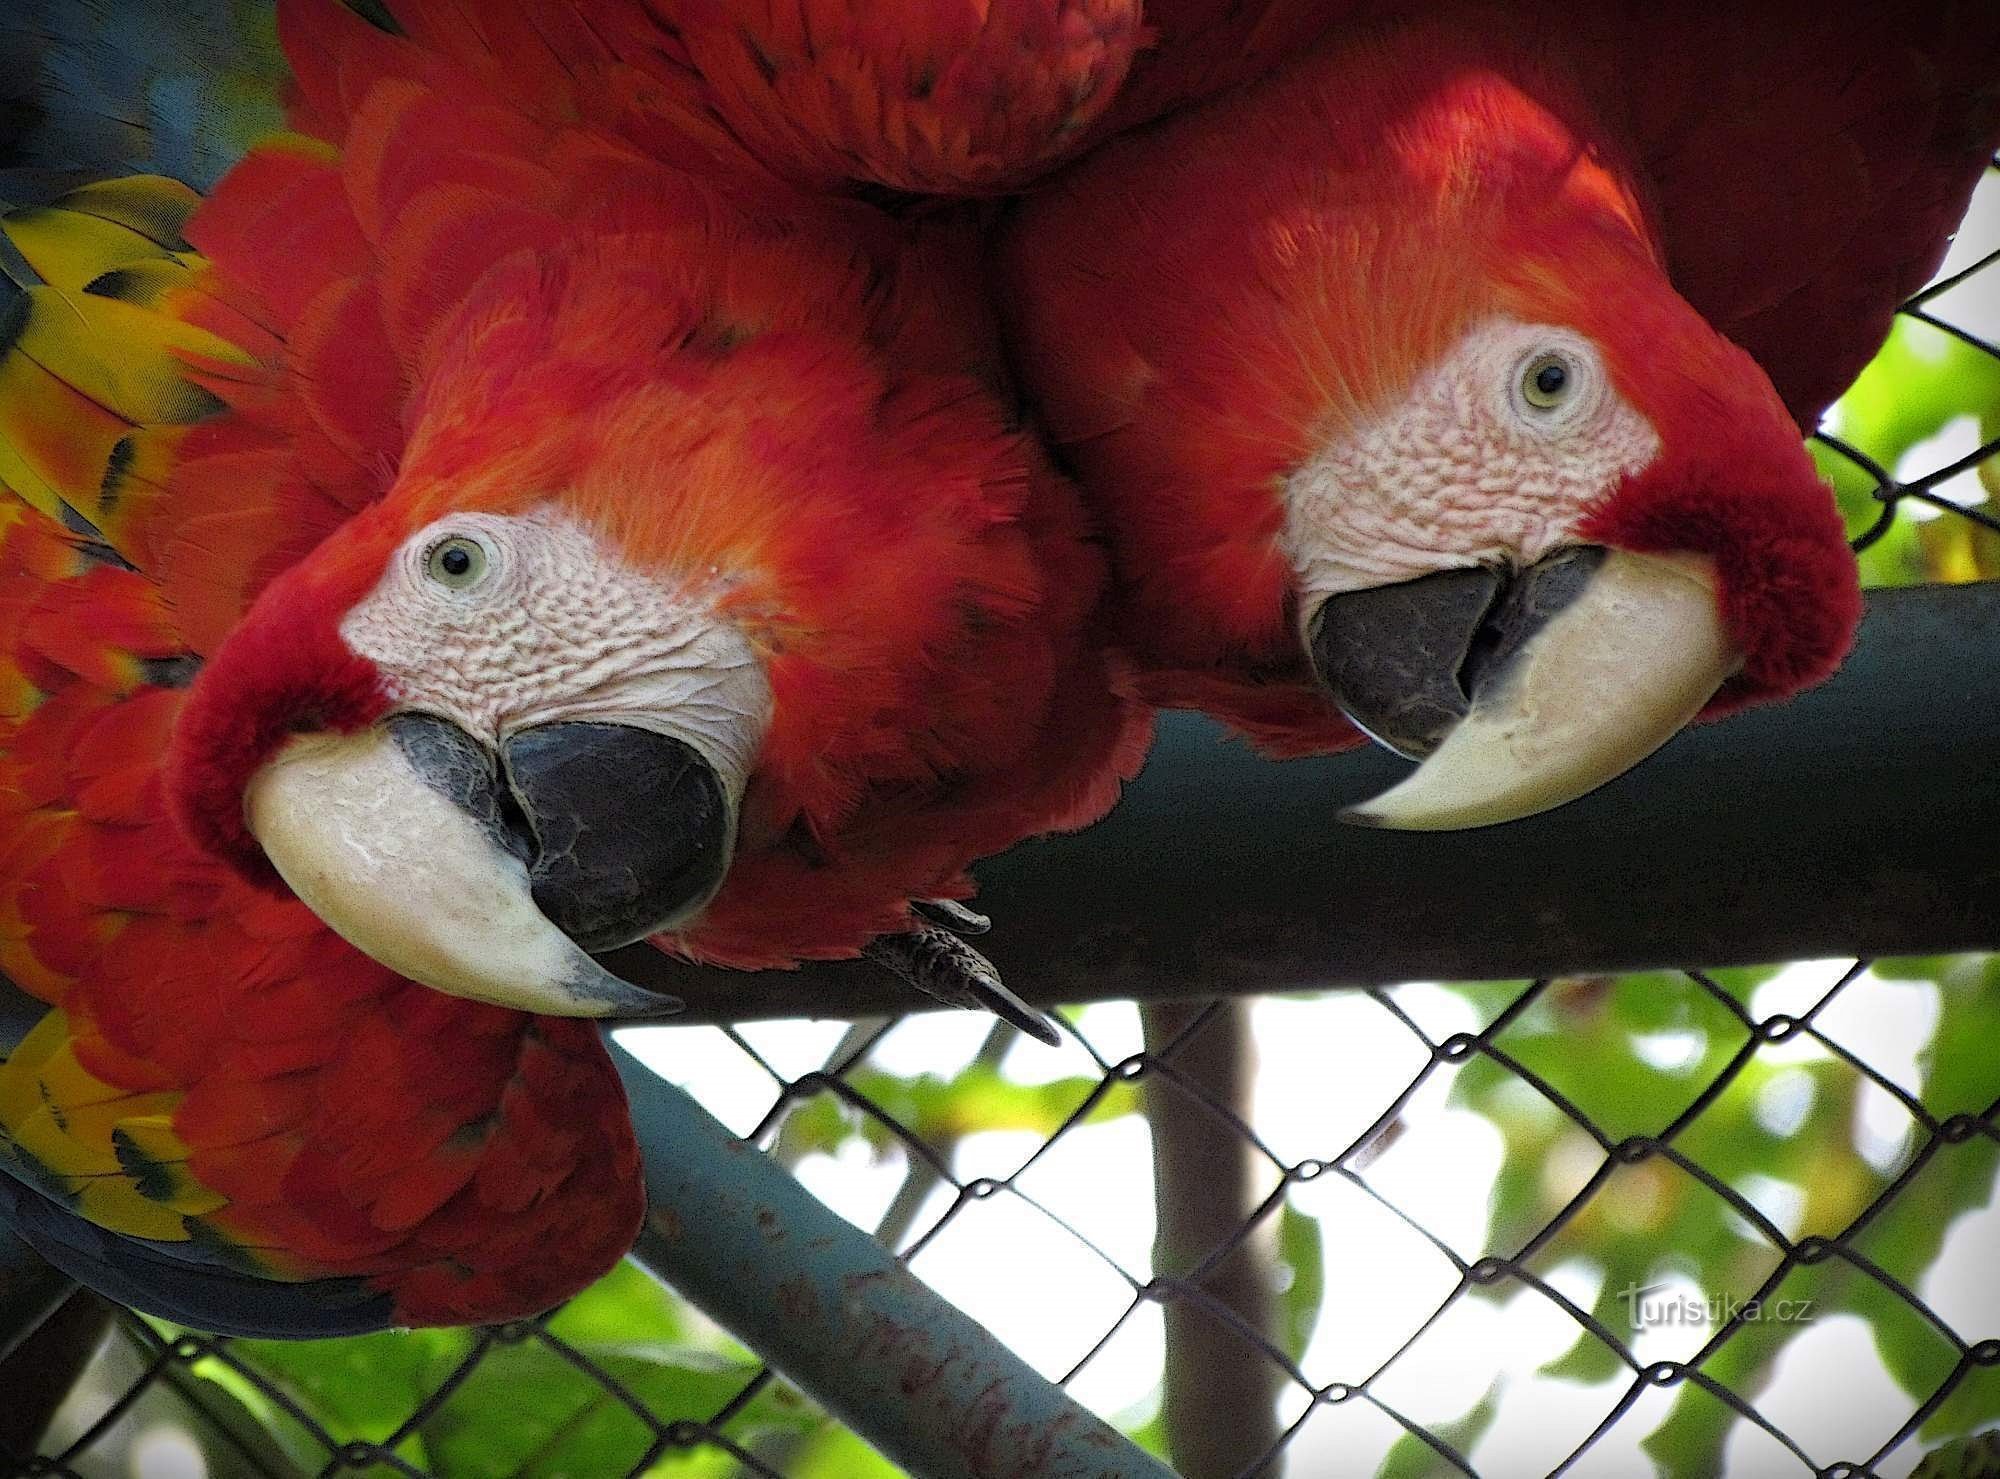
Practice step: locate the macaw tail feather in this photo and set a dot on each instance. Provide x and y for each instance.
(206, 1296)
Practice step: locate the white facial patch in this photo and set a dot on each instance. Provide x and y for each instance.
(1490, 457)
(499, 624)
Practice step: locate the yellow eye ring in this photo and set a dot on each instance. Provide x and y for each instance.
(457, 563)
(1548, 380)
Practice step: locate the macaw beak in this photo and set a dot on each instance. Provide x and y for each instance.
(1522, 691)
(490, 875)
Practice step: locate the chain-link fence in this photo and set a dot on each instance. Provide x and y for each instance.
(1690, 1221)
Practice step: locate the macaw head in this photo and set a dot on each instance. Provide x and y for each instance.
(1419, 419)
(1582, 518)
(645, 550)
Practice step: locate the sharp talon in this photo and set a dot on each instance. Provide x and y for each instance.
(952, 915)
(1009, 1008)
(945, 968)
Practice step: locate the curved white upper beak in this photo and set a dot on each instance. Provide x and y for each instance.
(1608, 680)
(404, 873)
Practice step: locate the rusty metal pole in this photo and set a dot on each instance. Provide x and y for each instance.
(829, 1308)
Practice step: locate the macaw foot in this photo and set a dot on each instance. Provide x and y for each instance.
(940, 964)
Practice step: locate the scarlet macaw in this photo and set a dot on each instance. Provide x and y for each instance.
(1449, 380)
(458, 542)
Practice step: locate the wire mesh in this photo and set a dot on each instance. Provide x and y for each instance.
(1590, 1158)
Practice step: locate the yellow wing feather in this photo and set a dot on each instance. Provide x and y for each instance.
(93, 348)
(111, 1151)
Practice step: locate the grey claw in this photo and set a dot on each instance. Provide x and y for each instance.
(942, 966)
(952, 915)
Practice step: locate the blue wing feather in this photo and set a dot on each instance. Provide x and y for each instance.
(18, 1012)
(90, 88)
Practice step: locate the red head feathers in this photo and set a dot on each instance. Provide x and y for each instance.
(736, 487)
(1379, 371)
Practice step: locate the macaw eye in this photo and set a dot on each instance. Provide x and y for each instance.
(457, 563)
(1547, 380)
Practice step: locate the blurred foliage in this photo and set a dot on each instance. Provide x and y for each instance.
(1662, 1057)
(524, 1406)
(941, 1111)
(1301, 1279)
(1922, 382)
(1412, 1458)
(1968, 1458)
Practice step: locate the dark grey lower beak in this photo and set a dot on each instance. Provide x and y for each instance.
(632, 829)
(1405, 662)
(624, 832)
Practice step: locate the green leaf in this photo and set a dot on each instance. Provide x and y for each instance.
(1971, 1406)
(1920, 381)
(1488, 999)
(626, 1304)
(1968, 1458)
(360, 1389)
(1302, 1251)
(1151, 1434)
(576, 1426)
(835, 1453)
(627, 1325)
(942, 1111)
(1590, 1360)
(1412, 1458)
(1958, 1066)
(1688, 1443)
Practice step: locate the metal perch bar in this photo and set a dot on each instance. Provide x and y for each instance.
(829, 1307)
(1741, 842)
